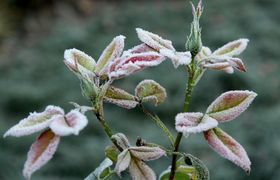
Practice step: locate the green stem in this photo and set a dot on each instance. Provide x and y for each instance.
(160, 124)
(191, 70)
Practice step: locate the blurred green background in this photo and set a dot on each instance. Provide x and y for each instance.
(34, 35)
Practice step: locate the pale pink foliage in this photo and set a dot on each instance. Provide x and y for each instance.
(147, 153)
(149, 89)
(72, 123)
(194, 123)
(139, 170)
(112, 51)
(35, 122)
(233, 48)
(228, 148)
(230, 104)
(40, 152)
(123, 162)
(121, 140)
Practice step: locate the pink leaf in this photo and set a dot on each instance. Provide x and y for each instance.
(153, 40)
(72, 123)
(35, 122)
(139, 170)
(123, 162)
(194, 123)
(112, 51)
(40, 152)
(230, 104)
(228, 148)
(149, 89)
(233, 48)
(178, 58)
(140, 49)
(147, 153)
(119, 97)
(121, 140)
(131, 63)
(237, 63)
(217, 65)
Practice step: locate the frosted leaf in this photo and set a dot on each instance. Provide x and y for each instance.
(147, 153)
(139, 170)
(112, 51)
(194, 123)
(230, 104)
(228, 70)
(132, 63)
(40, 152)
(178, 58)
(139, 49)
(233, 48)
(228, 148)
(35, 122)
(205, 52)
(154, 40)
(119, 97)
(149, 89)
(102, 170)
(72, 123)
(217, 66)
(80, 61)
(123, 162)
(237, 63)
(121, 140)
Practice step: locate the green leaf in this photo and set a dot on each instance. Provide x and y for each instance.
(103, 172)
(200, 168)
(109, 153)
(186, 169)
(178, 175)
(149, 89)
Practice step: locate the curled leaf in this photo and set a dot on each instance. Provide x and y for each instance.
(147, 153)
(233, 48)
(123, 162)
(194, 123)
(149, 89)
(112, 51)
(121, 140)
(35, 122)
(230, 104)
(119, 97)
(40, 152)
(228, 148)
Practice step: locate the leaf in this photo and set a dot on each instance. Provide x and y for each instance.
(149, 89)
(109, 153)
(230, 104)
(123, 162)
(237, 63)
(153, 40)
(121, 140)
(119, 97)
(178, 58)
(131, 63)
(228, 148)
(71, 123)
(139, 170)
(40, 152)
(112, 51)
(194, 123)
(200, 168)
(147, 153)
(178, 175)
(186, 169)
(233, 48)
(35, 122)
(103, 171)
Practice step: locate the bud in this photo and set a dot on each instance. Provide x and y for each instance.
(89, 90)
(194, 43)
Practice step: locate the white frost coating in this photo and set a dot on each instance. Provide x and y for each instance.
(35, 122)
(40, 153)
(154, 40)
(80, 60)
(229, 105)
(139, 170)
(178, 58)
(123, 162)
(228, 148)
(233, 48)
(129, 104)
(194, 123)
(147, 153)
(112, 51)
(72, 123)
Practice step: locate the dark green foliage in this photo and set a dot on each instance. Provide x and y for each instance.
(33, 75)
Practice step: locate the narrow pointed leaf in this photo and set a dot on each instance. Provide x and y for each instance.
(186, 169)
(237, 63)
(139, 170)
(217, 65)
(230, 104)
(40, 152)
(194, 123)
(112, 51)
(119, 97)
(228, 148)
(149, 89)
(71, 123)
(147, 153)
(140, 49)
(154, 40)
(35, 122)
(102, 171)
(233, 48)
(123, 161)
